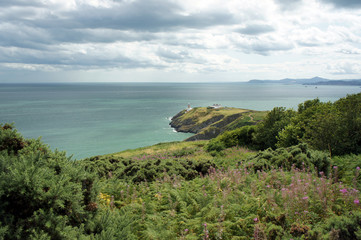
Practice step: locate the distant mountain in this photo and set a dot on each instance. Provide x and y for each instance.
(312, 81)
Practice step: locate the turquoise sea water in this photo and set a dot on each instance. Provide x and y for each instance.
(87, 119)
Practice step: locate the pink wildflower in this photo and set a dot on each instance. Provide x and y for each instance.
(356, 201)
(305, 198)
(357, 168)
(255, 219)
(343, 190)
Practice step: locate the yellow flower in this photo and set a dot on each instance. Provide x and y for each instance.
(105, 198)
(158, 195)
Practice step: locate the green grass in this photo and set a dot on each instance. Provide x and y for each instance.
(159, 148)
(202, 114)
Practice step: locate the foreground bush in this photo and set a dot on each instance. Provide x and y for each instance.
(45, 195)
(148, 167)
(297, 156)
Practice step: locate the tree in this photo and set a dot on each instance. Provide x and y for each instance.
(267, 131)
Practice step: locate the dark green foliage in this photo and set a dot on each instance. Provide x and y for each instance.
(45, 195)
(148, 169)
(10, 140)
(349, 124)
(348, 169)
(346, 227)
(240, 137)
(333, 127)
(268, 130)
(297, 156)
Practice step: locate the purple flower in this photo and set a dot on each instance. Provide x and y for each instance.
(356, 201)
(255, 219)
(205, 224)
(343, 190)
(334, 167)
(186, 230)
(305, 198)
(357, 168)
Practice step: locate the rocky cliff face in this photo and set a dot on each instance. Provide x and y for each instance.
(207, 123)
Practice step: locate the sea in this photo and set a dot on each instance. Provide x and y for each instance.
(88, 119)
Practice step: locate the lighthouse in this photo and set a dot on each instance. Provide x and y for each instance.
(189, 107)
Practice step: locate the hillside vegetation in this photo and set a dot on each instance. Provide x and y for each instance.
(275, 180)
(208, 122)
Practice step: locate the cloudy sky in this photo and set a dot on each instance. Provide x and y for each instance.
(178, 40)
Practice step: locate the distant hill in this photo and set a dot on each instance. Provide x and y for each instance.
(311, 81)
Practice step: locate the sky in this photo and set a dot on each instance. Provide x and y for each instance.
(178, 40)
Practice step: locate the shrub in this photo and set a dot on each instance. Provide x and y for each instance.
(345, 227)
(298, 156)
(148, 168)
(238, 137)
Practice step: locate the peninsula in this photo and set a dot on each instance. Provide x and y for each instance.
(208, 122)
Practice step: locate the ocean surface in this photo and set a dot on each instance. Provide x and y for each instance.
(87, 119)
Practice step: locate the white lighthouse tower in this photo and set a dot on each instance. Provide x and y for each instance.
(189, 107)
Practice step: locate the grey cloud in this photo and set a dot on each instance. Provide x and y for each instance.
(256, 29)
(170, 55)
(62, 58)
(151, 15)
(125, 21)
(12, 3)
(349, 51)
(344, 3)
(264, 46)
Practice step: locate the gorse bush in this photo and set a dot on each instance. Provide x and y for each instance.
(46, 195)
(297, 156)
(10, 140)
(148, 168)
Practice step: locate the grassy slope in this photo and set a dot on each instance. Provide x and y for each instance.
(159, 148)
(210, 122)
(202, 114)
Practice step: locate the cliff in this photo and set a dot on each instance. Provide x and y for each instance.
(207, 123)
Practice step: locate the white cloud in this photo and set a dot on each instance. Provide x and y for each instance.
(345, 67)
(269, 37)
